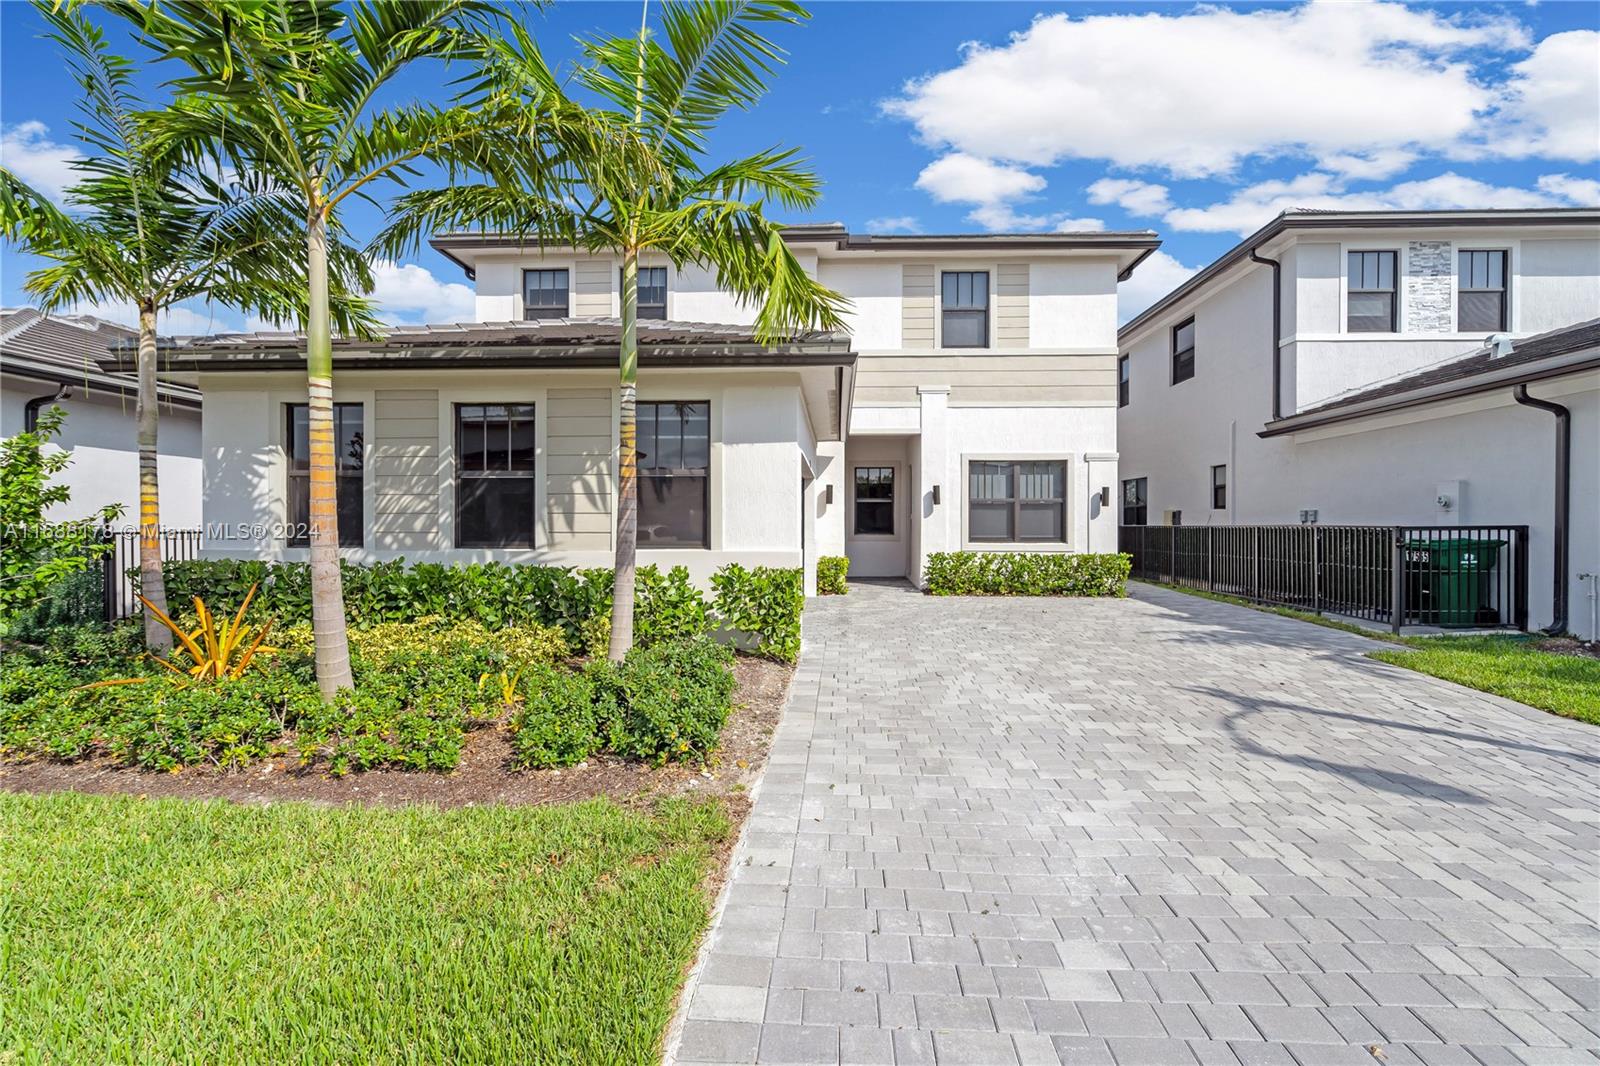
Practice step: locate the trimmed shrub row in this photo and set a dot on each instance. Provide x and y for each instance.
(1026, 574)
(831, 573)
(763, 604)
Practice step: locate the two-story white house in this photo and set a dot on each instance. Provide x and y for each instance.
(970, 404)
(1337, 367)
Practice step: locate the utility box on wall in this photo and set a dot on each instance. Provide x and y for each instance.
(1448, 503)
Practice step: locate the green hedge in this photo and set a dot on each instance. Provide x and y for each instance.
(1026, 574)
(763, 603)
(831, 573)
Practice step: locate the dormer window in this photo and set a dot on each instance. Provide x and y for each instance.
(544, 294)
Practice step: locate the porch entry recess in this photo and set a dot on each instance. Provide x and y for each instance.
(1455, 577)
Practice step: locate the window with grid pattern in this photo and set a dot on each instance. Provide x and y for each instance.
(1481, 292)
(674, 460)
(652, 292)
(349, 457)
(1016, 502)
(1183, 351)
(494, 475)
(544, 294)
(1135, 501)
(1371, 301)
(874, 502)
(965, 308)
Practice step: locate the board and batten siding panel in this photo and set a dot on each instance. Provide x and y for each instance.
(591, 287)
(1011, 306)
(916, 305)
(405, 469)
(579, 447)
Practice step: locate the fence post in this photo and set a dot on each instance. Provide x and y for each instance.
(1255, 563)
(1211, 558)
(1397, 581)
(1519, 578)
(1316, 570)
(108, 568)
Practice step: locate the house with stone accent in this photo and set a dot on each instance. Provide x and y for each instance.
(1372, 367)
(970, 403)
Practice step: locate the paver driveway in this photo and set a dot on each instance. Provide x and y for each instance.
(1154, 830)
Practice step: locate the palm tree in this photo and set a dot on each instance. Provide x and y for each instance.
(148, 229)
(644, 185)
(288, 89)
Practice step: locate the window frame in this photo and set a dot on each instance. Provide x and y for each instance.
(1016, 542)
(985, 313)
(1178, 354)
(892, 500)
(340, 480)
(1141, 502)
(1351, 289)
(683, 472)
(1124, 377)
(566, 311)
(531, 475)
(1504, 290)
(666, 289)
(1219, 487)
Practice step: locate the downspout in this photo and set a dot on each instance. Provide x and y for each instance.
(1277, 330)
(31, 409)
(1558, 624)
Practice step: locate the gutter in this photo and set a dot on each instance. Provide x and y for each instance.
(1563, 495)
(1277, 331)
(31, 409)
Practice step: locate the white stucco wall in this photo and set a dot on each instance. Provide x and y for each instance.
(1072, 303)
(873, 287)
(101, 435)
(1559, 279)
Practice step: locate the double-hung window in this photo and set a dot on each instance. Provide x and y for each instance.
(874, 501)
(652, 293)
(1183, 351)
(1135, 501)
(494, 475)
(1122, 381)
(965, 315)
(349, 448)
(1481, 292)
(1016, 502)
(544, 294)
(674, 459)
(1371, 300)
(1219, 488)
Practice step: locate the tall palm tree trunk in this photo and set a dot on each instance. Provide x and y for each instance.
(627, 464)
(327, 587)
(152, 584)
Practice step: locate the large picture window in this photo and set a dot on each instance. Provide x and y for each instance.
(652, 293)
(674, 458)
(965, 316)
(544, 294)
(494, 475)
(1183, 351)
(1481, 292)
(1371, 302)
(1016, 502)
(1135, 501)
(874, 501)
(349, 459)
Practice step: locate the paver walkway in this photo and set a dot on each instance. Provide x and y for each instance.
(1154, 830)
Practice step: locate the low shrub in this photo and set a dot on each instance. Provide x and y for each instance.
(832, 570)
(764, 603)
(558, 723)
(1026, 574)
(672, 701)
(407, 712)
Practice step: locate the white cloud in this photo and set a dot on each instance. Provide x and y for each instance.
(1194, 93)
(1550, 107)
(1134, 197)
(895, 224)
(1080, 225)
(1151, 280)
(1253, 206)
(962, 178)
(410, 294)
(28, 152)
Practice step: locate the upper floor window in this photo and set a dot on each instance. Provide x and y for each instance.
(1013, 502)
(966, 308)
(652, 293)
(874, 504)
(674, 458)
(1135, 501)
(1183, 351)
(1122, 381)
(494, 475)
(349, 452)
(1481, 292)
(544, 294)
(1371, 304)
(1219, 488)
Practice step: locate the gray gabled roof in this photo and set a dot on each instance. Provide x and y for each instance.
(71, 350)
(1568, 350)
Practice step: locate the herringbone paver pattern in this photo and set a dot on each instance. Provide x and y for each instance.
(1154, 830)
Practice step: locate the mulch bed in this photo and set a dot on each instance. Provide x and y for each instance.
(1569, 646)
(482, 777)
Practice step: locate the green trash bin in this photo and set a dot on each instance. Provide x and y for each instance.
(1448, 580)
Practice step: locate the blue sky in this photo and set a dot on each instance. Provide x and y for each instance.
(1200, 122)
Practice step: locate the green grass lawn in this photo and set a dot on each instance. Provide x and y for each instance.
(164, 931)
(1505, 665)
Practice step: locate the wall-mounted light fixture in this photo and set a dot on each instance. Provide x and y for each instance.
(1105, 495)
(827, 494)
(936, 495)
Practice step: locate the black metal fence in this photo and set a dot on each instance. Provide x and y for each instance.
(1457, 577)
(120, 565)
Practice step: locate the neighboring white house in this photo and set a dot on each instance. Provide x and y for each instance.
(1223, 423)
(972, 403)
(57, 360)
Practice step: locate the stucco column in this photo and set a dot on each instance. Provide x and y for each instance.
(938, 526)
(1103, 518)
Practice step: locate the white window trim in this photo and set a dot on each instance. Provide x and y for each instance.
(1069, 519)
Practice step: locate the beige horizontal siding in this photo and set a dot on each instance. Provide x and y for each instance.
(892, 380)
(916, 305)
(1011, 306)
(405, 465)
(579, 445)
(591, 287)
